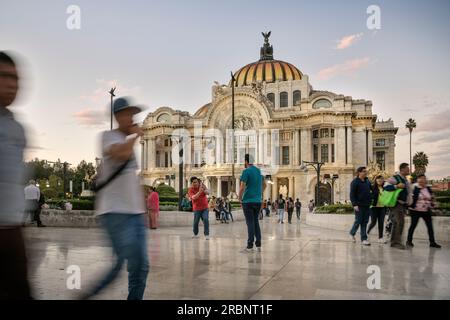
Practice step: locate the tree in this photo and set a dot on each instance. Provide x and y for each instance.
(410, 125)
(420, 162)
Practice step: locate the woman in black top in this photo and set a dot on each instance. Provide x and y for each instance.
(378, 211)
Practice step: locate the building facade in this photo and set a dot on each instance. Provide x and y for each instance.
(279, 119)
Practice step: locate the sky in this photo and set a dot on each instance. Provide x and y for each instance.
(169, 53)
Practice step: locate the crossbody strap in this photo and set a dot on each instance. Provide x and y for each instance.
(100, 186)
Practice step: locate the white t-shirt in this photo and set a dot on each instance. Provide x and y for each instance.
(123, 194)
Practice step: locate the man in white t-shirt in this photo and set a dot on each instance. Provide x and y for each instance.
(121, 202)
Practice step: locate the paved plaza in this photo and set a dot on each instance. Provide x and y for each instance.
(297, 262)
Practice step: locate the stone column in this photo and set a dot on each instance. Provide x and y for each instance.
(219, 186)
(275, 188)
(238, 184)
(291, 192)
(296, 148)
(306, 145)
(152, 153)
(349, 145)
(370, 145)
(142, 155)
(146, 154)
(339, 141)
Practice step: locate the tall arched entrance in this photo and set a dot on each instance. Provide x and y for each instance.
(324, 194)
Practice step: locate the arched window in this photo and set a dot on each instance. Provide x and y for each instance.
(271, 97)
(163, 118)
(296, 97)
(283, 99)
(322, 103)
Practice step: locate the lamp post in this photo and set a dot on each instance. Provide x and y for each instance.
(180, 174)
(316, 165)
(233, 179)
(111, 92)
(65, 167)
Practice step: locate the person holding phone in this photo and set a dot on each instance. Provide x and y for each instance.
(361, 197)
(198, 195)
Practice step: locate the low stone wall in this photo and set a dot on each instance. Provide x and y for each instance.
(343, 222)
(87, 219)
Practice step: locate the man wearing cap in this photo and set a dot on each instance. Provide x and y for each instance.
(121, 202)
(250, 196)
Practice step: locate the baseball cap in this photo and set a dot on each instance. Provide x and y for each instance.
(123, 103)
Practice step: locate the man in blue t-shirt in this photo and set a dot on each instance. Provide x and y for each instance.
(250, 196)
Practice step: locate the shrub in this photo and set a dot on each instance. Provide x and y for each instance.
(442, 193)
(77, 204)
(335, 208)
(166, 191)
(443, 199)
(168, 208)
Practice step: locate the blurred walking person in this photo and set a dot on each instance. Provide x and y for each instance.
(121, 203)
(378, 211)
(153, 208)
(13, 262)
(298, 208)
(32, 197)
(361, 197)
(281, 205)
(290, 209)
(198, 195)
(399, 181)
(423, 203)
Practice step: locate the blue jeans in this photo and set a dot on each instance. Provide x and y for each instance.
(281, 214)
(204, 215)
(251, 213)
(361, 219)
(127, 233)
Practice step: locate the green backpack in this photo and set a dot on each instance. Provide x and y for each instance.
(389, 198)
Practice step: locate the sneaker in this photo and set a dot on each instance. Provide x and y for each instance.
(365, 243)
(247, 250)
(398, 246)
(206, 237)
(409, 244)
(435, 245)
(258, 249)
(353, 238)
(382, 241)
(195, 236)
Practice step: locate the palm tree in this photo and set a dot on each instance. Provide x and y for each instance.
(420, 161)
(410, 124)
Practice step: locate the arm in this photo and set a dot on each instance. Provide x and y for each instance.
(241, 190)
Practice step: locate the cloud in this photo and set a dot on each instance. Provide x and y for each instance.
(347, 41)
(91, 118)
(346, 68)
(435, 122)
(436, 137)
(96, 111)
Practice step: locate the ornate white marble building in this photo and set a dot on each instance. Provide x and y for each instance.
(293, 123)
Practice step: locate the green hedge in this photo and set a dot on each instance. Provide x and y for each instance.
(77, 204)
(443, 199)
(442, 193)
(335, 208)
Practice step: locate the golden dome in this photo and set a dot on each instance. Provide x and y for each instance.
(266, 69)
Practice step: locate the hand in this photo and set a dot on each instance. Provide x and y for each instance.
(135, 129)
(401, 185)
(356, 208)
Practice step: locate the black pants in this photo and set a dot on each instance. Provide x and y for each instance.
(13, 266)
(415, 216)
(377, 215)
(290, 212)
(298, 213)
(251, 213)
(34, 211)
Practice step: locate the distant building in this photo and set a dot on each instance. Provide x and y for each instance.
(273, 95)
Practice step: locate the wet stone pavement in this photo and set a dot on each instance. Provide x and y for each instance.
(297, 262)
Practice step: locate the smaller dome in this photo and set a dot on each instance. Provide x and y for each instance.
(202, 111)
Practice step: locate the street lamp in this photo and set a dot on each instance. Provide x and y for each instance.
(233, 178)
(180, 174)
(316, 165)
(111, 92)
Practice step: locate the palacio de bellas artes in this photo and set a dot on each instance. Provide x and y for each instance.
(281, 120)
